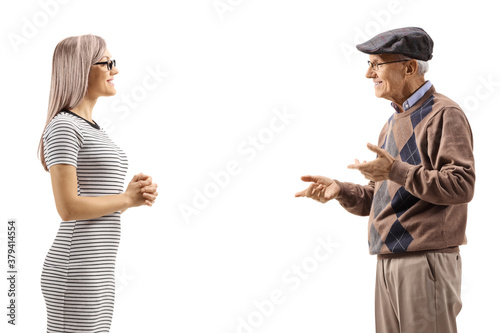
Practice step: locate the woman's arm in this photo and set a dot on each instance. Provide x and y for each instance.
(70, 206)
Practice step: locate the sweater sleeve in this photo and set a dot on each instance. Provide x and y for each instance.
(356, 199)
(450, 178)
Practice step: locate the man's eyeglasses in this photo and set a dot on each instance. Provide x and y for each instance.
(374, 66)
(110, 64)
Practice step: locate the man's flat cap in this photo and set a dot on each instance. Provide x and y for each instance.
(412, 42)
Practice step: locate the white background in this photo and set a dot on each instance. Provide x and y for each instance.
(223, 74)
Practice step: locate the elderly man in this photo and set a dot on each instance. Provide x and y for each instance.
(418, 190)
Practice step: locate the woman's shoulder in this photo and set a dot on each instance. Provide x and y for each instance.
(63, 121)
(63, 117)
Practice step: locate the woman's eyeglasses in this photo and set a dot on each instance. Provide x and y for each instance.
(110, 63)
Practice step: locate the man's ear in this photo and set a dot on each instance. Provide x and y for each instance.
(412, 67)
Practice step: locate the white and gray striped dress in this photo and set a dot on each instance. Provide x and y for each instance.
(78, 281)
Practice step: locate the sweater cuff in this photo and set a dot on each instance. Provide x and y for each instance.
(342, 189)
(399, 171)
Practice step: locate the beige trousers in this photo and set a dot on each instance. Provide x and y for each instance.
(418, 293)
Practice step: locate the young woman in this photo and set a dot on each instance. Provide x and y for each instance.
(87, 171)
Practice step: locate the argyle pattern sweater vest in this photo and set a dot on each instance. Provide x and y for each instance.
(423, 204)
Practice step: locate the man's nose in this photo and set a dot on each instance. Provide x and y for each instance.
(370, 73)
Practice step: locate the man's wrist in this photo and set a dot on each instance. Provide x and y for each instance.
(399, 171)
(341, 188)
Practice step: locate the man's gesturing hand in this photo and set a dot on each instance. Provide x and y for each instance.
(378, 169)
(322, 189)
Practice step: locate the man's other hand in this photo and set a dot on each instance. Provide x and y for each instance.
(323, 189)
(378, 169)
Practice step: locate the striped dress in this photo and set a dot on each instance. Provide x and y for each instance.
(77, 279)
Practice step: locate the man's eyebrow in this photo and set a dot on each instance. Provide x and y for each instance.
(106, 57)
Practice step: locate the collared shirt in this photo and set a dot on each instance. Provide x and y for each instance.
(414, 97)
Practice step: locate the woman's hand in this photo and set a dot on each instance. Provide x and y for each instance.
(141, 191)
(148, 190)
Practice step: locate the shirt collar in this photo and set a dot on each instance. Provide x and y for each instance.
(414, 97)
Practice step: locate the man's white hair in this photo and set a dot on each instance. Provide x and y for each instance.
(423, 67)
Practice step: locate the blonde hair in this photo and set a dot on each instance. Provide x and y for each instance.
(71, 64)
